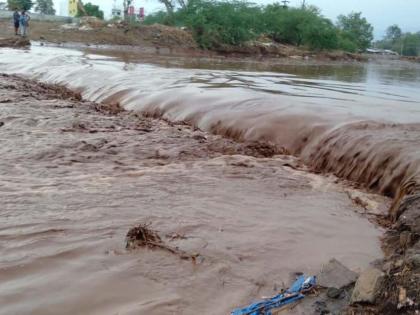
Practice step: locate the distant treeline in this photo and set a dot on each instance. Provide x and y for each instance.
(217, 23)
(406, 44)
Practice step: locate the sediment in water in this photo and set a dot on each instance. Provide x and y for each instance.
(381, 156)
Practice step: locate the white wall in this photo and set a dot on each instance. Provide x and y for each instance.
(39, 17)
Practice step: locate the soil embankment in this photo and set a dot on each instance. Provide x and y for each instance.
(166, 40)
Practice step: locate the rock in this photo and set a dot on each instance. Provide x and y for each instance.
(367, 286)
(405, 239)
(414, 261)
(336, 275)
(334, 293)
(321, 308)
(387, 267)
(402, 295)
(399, 263)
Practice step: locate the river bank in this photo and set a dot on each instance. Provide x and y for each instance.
(170, 41)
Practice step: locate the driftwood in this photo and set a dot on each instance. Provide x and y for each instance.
(142, 236)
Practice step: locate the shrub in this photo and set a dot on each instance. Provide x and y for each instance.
(215, 23)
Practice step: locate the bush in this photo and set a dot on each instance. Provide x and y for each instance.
(299, 26)
(346, 44)
(355, 28)
(160, 17)
(216, 23)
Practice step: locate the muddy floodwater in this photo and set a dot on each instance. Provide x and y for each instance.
(74, 178)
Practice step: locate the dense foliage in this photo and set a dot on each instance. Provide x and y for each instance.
(356, 29)
(215, 23)
(45, 7)
(407, 44)
(19, 4)
(92, 10)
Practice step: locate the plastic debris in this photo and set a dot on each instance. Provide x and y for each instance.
(295, 293)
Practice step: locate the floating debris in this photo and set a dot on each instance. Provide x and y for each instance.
(303, 284)
(143, 236)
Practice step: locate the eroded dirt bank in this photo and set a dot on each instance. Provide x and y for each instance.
(75, 176)
(169, 41)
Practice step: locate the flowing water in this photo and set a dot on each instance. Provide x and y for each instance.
(68, 198)
(324, 120)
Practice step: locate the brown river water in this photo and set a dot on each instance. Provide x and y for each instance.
(73, 181)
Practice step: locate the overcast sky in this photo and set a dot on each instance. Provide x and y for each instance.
(380, 13)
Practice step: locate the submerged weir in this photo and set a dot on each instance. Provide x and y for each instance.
(362, 124)
(74, 178)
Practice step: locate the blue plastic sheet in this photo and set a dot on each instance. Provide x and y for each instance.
(291, 295)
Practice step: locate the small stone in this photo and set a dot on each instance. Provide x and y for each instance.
(367, 286)
(414, 261)
(402, 295)
(334, 293)
(336, 275)
(387, 267)
(399, 263)
(321, 307)
(405, 239)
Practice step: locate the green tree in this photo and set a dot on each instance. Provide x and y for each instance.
(299, 26)
(93, 10)
(45, 7)
(411, 44)
(19, 4)
(393, 33)
(355, 28)
(215, 23)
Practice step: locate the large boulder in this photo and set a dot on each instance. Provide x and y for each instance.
(367, 286)
(336, 275)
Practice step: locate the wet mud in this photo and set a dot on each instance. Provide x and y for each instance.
(76, 176)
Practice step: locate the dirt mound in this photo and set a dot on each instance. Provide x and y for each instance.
(92, 21)
(14, 42)
(168, 36)
(262, 47)
(341, 56)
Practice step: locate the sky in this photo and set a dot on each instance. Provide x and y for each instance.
(380, 13)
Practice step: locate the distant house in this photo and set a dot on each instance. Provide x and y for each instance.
(384, 52)
(3, 6)
(116, 12)
(73, 7)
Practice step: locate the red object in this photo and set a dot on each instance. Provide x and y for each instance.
(141, 13)
(130, 10)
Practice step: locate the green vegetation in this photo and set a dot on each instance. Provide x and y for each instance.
(92, 10)
(406, 44)
(216, 23)
(45, 7)
(355, 29)
(20, 4)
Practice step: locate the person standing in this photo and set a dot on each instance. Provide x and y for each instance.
(24, 23)
(16, 21)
